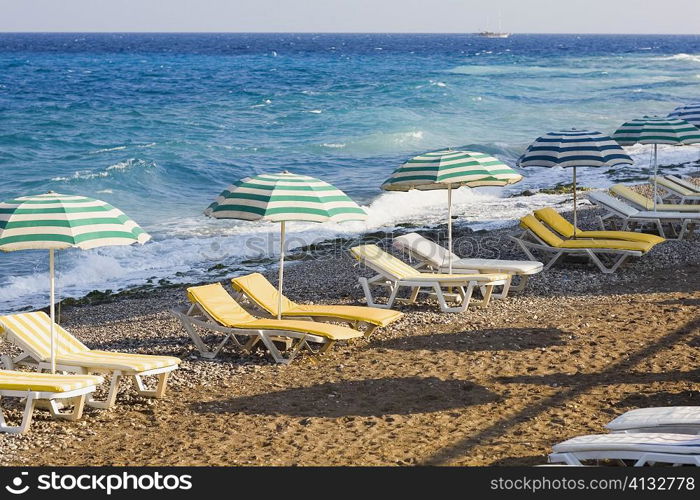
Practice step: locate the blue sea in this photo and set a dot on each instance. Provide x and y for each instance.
(159, 124)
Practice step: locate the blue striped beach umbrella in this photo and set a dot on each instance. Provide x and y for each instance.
(574, 148)
(54, 221)
(657, 130)
(284, 197)
(688, 112)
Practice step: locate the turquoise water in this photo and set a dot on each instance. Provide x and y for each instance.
(158, 125)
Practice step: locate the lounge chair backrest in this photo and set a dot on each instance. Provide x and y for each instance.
(682, 182)
(552, 218)
(613, 204)
(258, 289)
(424, 249)
(636, 198)
(383, 262)
(671, 186)
(538, 229)
(219, 304)
(32, 332)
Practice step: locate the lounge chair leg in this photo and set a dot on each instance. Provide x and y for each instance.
(111, 395)
(7, 362)
(156, 393)
(553, 260)
(26, 418)
(204, 351)
(370, 300)
(504, 291)
(522, 283)
(73, 415)
(275, 352)
(370, 330)
(466, 298)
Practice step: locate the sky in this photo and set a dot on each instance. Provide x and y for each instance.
(403, 16)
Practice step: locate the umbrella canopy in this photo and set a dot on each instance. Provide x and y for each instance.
(657, 130)
(55, 221)
(449, 169)
(284, 197)
(687, 112)
(574, 148)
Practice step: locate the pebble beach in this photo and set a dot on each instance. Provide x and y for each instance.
(492, 386)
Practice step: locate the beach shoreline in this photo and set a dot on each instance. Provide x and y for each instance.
(494, 386)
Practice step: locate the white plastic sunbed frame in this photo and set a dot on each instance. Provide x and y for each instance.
(529, 240)
(78, 397)
(463, 295)
(673, 419)
(642, 448)
(196, 316)
(27, 359)
(633, 218)
(426, 262)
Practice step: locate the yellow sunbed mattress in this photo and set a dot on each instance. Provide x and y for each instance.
(45, 382)
(219, 304)
(261, 291)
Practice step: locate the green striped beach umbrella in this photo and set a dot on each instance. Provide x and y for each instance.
(449, 169)
(55, 221)
(284, 197)
(657, 130)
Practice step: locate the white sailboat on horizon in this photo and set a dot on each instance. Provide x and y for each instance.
(495, 34)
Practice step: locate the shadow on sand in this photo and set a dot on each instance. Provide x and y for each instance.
(370, 397)
(501, 339)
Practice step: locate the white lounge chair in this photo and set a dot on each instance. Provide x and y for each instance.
(33, 387)
(673, 419)
(434, 257)
(678, 224)
(641, 448)
(395, 274)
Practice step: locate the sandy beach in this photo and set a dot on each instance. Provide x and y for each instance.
(494, 386)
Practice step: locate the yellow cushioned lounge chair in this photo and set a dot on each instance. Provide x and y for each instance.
(33, 387)
(643, 203)
(395, 274)
(263, 294)
(670, 225)
(562, 226)
(213, 308)
(684, 183)
(536, 236)
(31, 332)
(674, 192)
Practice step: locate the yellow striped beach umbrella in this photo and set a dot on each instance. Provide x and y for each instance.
(449, 169)
(55, 221)
(281, 198)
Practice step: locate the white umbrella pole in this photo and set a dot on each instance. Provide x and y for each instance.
(52, 310)
(575, 221)
(655, 169)
(281, 274)
(449, 223)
